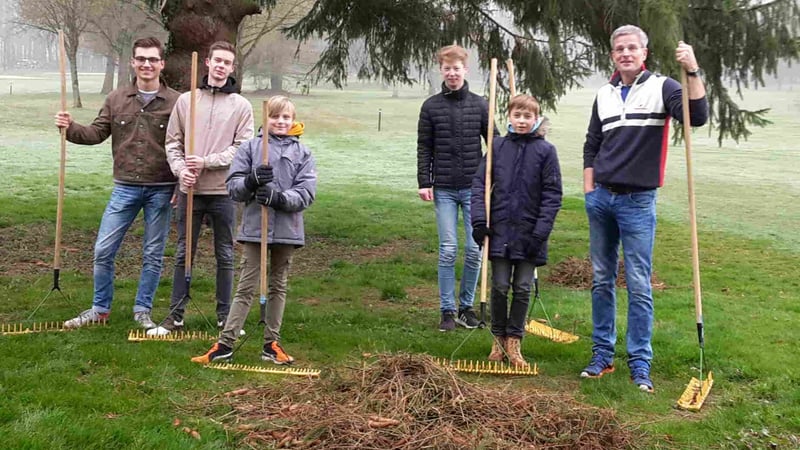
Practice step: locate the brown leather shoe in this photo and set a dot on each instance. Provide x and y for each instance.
(514, 349)
(498, 353)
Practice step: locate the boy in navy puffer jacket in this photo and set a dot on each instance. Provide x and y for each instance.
(526, 197)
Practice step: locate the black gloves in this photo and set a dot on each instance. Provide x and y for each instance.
(479, 232)
(259, 176)
(533, 247)
(268, 196)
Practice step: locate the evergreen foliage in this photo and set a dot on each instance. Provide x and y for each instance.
(555, 43)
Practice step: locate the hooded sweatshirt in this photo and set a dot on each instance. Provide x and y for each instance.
(223, 121)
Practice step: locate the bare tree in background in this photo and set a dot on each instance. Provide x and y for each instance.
(115, 24)
(71, 16)
(259, 40)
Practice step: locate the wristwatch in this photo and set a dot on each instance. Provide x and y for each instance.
(693, 73)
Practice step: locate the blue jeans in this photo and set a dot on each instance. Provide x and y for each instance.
(447, 202)
(629, 219)
(221, 213)
(124, 205)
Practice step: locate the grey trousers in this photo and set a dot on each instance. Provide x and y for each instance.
(280, 260)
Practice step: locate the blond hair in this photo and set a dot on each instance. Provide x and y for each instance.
(452, 53)
(279, 103)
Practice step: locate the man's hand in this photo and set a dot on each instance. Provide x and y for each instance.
(426, 194)
(684, 54)
(195, 163)
(259, 176)
(187, 178)
(479, 232)
(63, 119)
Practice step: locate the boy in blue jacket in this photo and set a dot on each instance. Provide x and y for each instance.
(287, 185)
(525, 199)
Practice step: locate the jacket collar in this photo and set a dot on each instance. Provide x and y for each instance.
(616, 79)
(228, 88)
(455, 94)
(132, 89)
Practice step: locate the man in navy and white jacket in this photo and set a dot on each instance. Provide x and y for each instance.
(624, 158)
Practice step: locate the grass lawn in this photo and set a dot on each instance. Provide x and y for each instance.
(366, 282)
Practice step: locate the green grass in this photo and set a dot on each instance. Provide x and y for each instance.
(366, 282)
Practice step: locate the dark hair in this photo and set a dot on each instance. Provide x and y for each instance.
(221, 45)
(148, 42)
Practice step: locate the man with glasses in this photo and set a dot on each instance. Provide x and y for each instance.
(136, 118)
(624, 157)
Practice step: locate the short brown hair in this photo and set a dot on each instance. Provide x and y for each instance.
(279, 103)
(221, 45)
(451, 53)
(148, 42)
(524, 102)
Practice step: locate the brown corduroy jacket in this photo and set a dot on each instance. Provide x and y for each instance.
(137, 133)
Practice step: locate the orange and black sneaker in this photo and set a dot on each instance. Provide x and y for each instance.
(275, 353)
(218, 351)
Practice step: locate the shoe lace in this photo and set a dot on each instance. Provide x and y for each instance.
(279, 352)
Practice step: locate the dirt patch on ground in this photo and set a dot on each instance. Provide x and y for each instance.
(410, 402)
(29, 250)
(576, 273)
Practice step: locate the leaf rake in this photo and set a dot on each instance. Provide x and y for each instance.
(313, 373)
(141, 336)
(537, 328)
(489, 367)
(37, 327)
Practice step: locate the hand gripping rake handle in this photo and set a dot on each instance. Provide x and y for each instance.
(488, 188)
(687, 139)
(190, 191)
(264, 215)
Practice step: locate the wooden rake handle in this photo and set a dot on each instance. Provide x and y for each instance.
(264, 208)
(487, 195)
(687, 139)
(190, 152)
(62, 68)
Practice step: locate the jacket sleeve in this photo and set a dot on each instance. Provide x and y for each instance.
(594, 137)
(244, 132)
(424, 148)
(241, 166)
(304, 187)
(551, 195)
(698, 108)
(175, 137)
(96, 132)
(477, 202)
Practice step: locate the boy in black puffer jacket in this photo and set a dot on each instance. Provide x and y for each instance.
(526, 197)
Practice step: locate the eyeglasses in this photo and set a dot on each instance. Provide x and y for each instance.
(143, 59)
(631, 48)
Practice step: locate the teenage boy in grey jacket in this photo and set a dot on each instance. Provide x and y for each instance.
(288, 186)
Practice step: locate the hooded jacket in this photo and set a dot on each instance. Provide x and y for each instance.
(526, 196)
(295, 175)
(223, 121)
(449, 131)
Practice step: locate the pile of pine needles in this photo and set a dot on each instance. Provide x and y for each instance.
(576, 273)
(409, 402)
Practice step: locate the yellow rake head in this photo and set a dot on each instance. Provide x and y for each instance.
(539, 329)
(490, 367)
(314, 373)
(36, 327)
(141, 335)
(696, 392)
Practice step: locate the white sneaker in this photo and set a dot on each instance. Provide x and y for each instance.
(87, 317)
(158, 331)
(144, 319)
